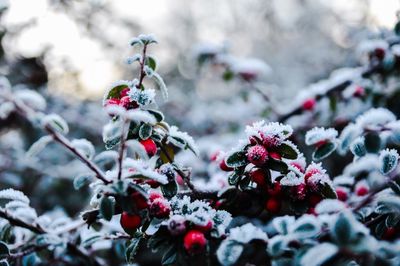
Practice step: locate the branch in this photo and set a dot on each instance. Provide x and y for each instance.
(36, 228)
(142, 63)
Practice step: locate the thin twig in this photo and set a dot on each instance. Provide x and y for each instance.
(122, 147)
(36, 228)
(142, 64)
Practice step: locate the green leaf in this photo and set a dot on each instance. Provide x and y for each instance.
(82, 180)
(234, 178)
(169, 190)
(278, 166)
(170, 256)
(145, 131)
(167, 153)
(236, 159)
(228, 75)
(287, 151)
(4, 251)
(358, 147)
(372, 142)
(106, 208)
(90, 241)
(319, 254)
(6, 233)
(324, 151)
(158, 115)
(388, 162)
(327, 191)
(229, 252)
(116, 91)
(131, 249)
(151, 62)
(342, 230)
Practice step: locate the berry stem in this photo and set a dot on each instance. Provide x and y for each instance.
(142, 64)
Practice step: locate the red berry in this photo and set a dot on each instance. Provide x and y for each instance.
(314, 199)
(321, 143)
(248, 76)
(309, 104)
(160, 208)
(359, 92)
(379, 53)
(224, 167)
(152, 183)
(275, 155)
(150, 146)
(299, 192)
(130, 221)
(311, 172)
(312, 211)
(214, 156)
(258, 177)
(257, 155)
(155, 195)
(389, 234)
(341, 194)
(276, 190)
(362, 191)
(124, 92)
(273, 205)
(205, 228)
(140, 200)
(112, 101)
(194, 242)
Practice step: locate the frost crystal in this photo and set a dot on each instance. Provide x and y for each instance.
(376, 117)
(274, 133)
(142, 97)
(319, 134)
(11, 194)
(175, 134)
(246, 233)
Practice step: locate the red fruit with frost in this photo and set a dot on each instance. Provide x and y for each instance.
(194, 242)
(214, 156)
(140, 200)
(312, 211)
(130, 221)
(272, 205)
(299, 192)
(124, 92)
(341, 194)
(205, 228)
(160, 208)
(298, 166)
(311, 172)
(224, 167)
(150, 146)
(258, 177)
(155, 195)
(389, 234)
(362, 190)
(275, 155)
(257, 155)
(309, 104)
(112, 101)
(359, 92)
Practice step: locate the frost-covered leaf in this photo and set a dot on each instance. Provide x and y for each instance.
(31, 98)
(39, 145)
(140, 116)
(137, 149)
(388, 160)
(390, 203)
(87, 242)
(306, 226)
(281, 224)
(4, 263)
(319, 134)
(277, 245)
(229, 252)
(6, 109)
(324, 151)
(145, 131)
(131, 249)
(357, 147)
(84, 146)
(342, 229)
(112, 134)
(236, 159)
(318, 255)
(182, 137)
(106, 157)
(142, 97)
(151, 62)
(372, 142)
(115, 89)
(288, 150)
(56, 123)
(161, 85)
(158, 115)
(169, 190)
(82, 180)
(11, 194)
(106, 208)
(347, 135)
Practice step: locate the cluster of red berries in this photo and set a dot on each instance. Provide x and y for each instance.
(123, 100)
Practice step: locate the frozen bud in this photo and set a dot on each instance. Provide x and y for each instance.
(257, 155)
(160, 208)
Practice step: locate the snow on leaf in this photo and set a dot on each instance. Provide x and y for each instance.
(142, 97)
(84, 146)
(11, 194)
(31, 98)
(319, 254)
(375, 117)
(388, 160)
(140, 116)
(39, 145)
(56, 122)
(319, 134)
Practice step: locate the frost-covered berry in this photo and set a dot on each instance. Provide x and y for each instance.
(130, 221)
(194, 242)
(160, 208)
(258, 177)
(309, 104)
(154, 195)
(140, 200)
(112, 101)
(359, 91)
(272, 205)
(275, 190)
(299, 192)
(205, 228)
(257, 155)
(224, 167)
(177, 225)
(341, 194)
(362, 190)
(275, 155)
(390, 233)
(124, 92)
(127, 103)
(314, 199)
(150, 146)
(380, 53)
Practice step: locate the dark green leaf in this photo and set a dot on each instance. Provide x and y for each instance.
(278, 166)
(287, 151)
(145, 131)
(151, 62)
(106, 208)
(328, 191)
(395, 187)
(158, 115)
(324, 151)
(169, 190)
(233, 178)
(4, 251)
(169, 257)
(236, 159)
(342, 230)
(131, 249)
(372, 142)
